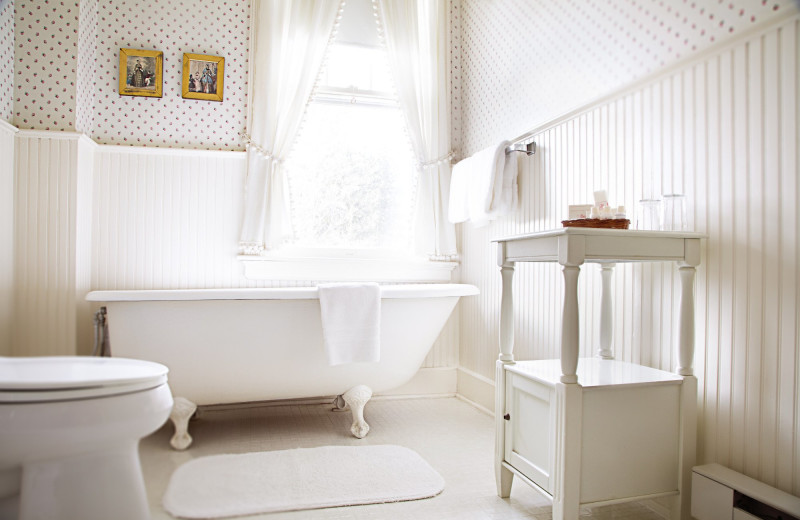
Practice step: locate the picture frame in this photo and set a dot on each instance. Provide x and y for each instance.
(203, 77)
(140, 72)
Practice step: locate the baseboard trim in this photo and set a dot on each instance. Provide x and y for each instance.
(475, 405)
(477, 389)
(435, 381)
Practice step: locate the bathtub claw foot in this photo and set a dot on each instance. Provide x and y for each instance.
(357, 398)
(182, 411)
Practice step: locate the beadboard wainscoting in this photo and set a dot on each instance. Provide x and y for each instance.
(90, 216)
(723, 130)
(170, 219)
(167, 218)
(52, 208)
(7, 133)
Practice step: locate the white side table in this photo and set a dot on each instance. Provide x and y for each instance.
(596, 431)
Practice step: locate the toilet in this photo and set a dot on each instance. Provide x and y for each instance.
(69, 435)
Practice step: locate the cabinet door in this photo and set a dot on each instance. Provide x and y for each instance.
(529, 432)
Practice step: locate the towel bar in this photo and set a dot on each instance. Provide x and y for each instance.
(528, 149)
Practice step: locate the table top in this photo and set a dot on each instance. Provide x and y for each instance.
(574, 246)
(603, 232)
(594, 372)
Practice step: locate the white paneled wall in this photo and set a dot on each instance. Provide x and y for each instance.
(6, 235)
(723, 129)
(166, 219)
(170, 219)
(52, 204)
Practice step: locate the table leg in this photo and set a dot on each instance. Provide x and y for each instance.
(606, 313)
(686, 325)
(507, 315)
(570, 331)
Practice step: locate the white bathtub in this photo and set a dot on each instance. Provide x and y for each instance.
(241, 345)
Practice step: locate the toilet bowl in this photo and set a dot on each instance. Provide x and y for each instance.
(69, 435)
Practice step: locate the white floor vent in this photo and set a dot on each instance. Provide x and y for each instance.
(719, 493)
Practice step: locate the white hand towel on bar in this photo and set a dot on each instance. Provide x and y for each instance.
(483, 186)
(351, 322)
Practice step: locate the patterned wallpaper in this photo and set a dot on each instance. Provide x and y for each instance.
(454, 39)
(510, 72)
(6, 59)
(217, 28)
(67, 58)
(86, 84)
(525, 62)
(45, 59)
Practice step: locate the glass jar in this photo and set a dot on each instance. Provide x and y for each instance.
(674, 208)
(649, 214)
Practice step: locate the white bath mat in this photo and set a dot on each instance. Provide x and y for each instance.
(312, 478)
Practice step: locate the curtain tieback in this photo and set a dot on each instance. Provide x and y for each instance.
(249, 143)
(441, 160)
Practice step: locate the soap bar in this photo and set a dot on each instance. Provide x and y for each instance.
(579, 211)
(601, 198)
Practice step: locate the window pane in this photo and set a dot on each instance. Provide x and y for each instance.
(357, 66)
(352, 178)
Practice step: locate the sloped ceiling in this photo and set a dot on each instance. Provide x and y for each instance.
(523, 62)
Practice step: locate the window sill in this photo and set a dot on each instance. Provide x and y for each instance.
(345, 269)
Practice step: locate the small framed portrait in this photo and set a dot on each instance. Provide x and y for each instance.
(140, 72)
(203, 77)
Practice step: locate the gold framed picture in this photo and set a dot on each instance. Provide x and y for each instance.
(203, 77)
(140, 72)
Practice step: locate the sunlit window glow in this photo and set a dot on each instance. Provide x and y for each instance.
(351, 173)
(356, 66)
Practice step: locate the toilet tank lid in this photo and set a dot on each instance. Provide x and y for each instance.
(70, 372)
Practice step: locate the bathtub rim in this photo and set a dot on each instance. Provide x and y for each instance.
(402, 291)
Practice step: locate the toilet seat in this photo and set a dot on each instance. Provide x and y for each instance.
(47, 379)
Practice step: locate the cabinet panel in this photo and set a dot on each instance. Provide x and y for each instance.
(529, 431)
(630, 441)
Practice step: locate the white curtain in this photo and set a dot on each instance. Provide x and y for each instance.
(415, 32)
(288, 45)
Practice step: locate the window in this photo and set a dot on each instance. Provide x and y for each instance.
(352, 174)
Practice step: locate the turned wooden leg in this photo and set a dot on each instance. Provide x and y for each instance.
(606, 313)
(357, 398)
(570, 330)
(182, 411)
(507, 314)
(686, 321)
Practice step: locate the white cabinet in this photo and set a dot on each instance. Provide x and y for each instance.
(596, 430)
(629, 432)
(530, 431)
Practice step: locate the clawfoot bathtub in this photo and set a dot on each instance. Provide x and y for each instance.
(243, 345)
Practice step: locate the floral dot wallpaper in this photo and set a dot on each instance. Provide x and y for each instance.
(67, 69)
(45, 61)
(6, 59)
(86, 82)
(524, 62)
(175, 27)
(509, 72)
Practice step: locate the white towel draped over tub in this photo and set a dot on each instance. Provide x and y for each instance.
(351, 322)
(483, 186)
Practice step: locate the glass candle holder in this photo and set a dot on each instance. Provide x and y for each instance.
(649, 214)
(674, 212)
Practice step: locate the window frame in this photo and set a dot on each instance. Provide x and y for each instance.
(293, 262)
